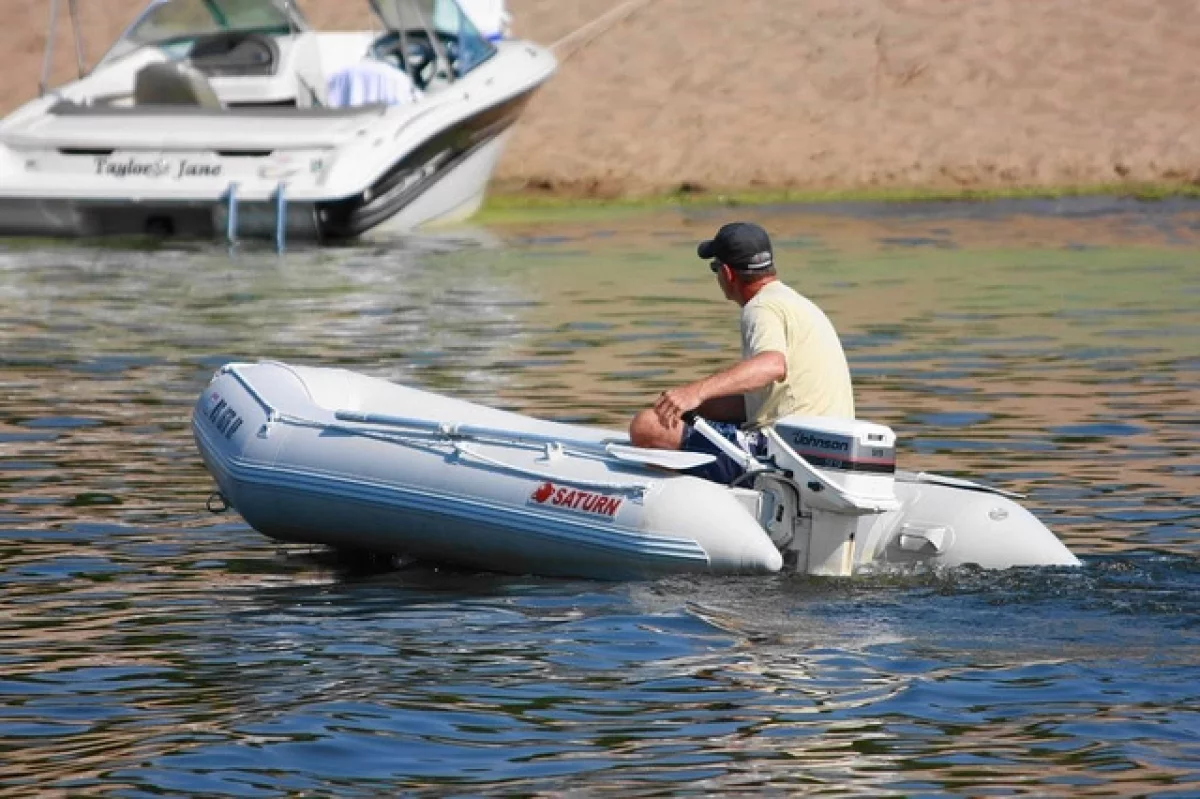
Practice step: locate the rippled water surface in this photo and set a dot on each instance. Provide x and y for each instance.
(1052, 348)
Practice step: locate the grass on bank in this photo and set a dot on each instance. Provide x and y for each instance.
(503, 206)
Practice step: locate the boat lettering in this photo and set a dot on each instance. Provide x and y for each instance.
(130, 167)
(809, 440)
(576, 499)
(189, 169)
(224, 418)
(158, 168)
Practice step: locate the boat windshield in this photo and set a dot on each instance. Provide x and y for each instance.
(169, 22)
(446, 20)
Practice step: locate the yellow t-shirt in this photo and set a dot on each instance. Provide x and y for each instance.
(779, 319)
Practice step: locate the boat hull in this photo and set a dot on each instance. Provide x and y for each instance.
(451, 195)
(536, 497)
(70, 167)
(296, 474)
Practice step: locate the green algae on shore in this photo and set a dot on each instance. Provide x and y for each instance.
(502, 206)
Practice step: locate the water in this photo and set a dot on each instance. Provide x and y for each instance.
(150, 647)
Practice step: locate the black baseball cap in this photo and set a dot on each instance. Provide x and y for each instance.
(743, 245)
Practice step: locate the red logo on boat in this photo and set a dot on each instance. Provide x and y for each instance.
(577, 499)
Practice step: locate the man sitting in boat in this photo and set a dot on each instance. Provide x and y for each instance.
(792, 361)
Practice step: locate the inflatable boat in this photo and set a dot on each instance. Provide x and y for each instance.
(329, 456)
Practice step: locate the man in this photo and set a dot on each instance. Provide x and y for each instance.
(792, 360)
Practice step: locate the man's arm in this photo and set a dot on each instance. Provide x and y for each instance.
(717, 391)
(730, 408)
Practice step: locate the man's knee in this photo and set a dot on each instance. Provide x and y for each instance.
(647, 431)
(642, 428)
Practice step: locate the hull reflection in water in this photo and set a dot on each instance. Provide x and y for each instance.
(332, 457)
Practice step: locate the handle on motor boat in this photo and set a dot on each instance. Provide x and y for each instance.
(839, 495)
(736, 453)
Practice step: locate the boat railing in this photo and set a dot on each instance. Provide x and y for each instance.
(233, 369)
(71, 108)
(48, 53)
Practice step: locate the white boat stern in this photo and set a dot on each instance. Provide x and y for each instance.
(955, 526)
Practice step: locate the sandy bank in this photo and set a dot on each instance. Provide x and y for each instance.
(816, 95)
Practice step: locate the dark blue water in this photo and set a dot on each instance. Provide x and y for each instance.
(150, 647)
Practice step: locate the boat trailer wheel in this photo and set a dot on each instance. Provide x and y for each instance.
(217, 503)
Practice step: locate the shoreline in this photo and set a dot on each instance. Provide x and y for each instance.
(522, 205)
(849, 97)
(697, 102)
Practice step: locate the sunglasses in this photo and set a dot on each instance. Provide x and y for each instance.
(714, 265)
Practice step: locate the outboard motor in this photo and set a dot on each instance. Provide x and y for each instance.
(854, 475)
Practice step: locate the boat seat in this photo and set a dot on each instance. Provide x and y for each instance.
(235, 54)
(172, 83)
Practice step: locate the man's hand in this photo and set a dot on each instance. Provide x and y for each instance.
(721, 393)
(671, 405)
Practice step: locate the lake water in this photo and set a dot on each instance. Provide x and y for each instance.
(1048, 347)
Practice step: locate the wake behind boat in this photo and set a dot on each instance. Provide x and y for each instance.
(333, 457)
(219, 118)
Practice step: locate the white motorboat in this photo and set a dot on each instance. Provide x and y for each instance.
(329, 456)
(234, 118)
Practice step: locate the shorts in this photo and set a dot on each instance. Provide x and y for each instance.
(724, 469)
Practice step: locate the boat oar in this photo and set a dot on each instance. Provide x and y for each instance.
(666, 458)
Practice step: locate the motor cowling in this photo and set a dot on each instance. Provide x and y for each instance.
(844, 469)
(857, 456)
